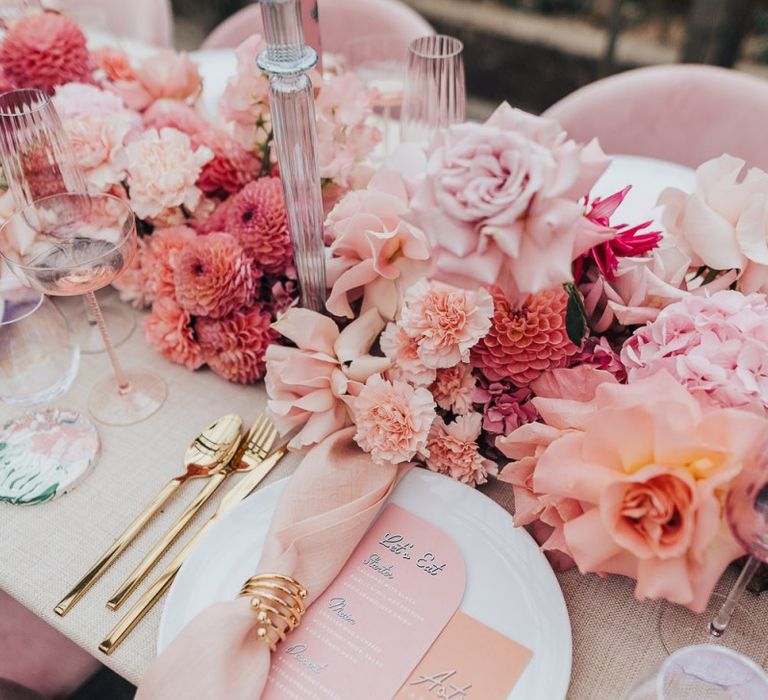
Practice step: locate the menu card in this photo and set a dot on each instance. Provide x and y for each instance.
(369, 629)
(468, 661)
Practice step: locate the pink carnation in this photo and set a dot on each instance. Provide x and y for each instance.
(43, 51)
(499, 202)
(454, 388)
(235, 346)
(452, 450)
(176, 115)
(445, 321)
(169, 330)
(403, 351)
(132, 284)
(393, 420)
(214, 276)
(162, 171)
(375, 255)
(717, 347)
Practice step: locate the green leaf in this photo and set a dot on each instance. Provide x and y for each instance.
(575, 315)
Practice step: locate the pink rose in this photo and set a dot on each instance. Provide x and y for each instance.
(499, 202)
(162, 171)
(375, 254)
(724, 223)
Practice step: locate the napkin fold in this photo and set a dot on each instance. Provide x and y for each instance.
(324, 511)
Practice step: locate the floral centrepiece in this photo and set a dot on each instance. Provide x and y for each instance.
(214, 261)
(618, 386)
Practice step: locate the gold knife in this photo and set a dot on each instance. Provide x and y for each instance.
(144, 604)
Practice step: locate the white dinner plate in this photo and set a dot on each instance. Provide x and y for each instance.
(510, 585)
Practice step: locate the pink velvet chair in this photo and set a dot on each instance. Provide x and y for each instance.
(340, 21)
(35, 655)
(147, 21)
(682, 113)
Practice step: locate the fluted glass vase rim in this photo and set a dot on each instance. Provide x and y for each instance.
(453, 46)
(45, 101)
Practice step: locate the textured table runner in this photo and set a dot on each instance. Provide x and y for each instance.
(45, 549)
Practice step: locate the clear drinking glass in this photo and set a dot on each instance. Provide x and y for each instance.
(71, 244)
(726, 621)
(380, 61)
(38, 161)
(435, 93)
(704, 672)
(38, 359)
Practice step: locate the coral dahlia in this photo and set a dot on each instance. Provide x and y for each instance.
(525, 342)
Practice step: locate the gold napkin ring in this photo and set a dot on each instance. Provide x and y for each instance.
(278, 602)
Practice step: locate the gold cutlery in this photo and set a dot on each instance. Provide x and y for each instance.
(144, 604)
(258, 441)
(205, 456)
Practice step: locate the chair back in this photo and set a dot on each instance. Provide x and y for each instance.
(340, 21)
(686, 114)
(146, 21)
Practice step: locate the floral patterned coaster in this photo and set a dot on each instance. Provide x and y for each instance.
(44, 454)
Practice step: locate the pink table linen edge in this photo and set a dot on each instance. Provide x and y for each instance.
(326, 508)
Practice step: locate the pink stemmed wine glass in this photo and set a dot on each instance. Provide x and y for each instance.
(71, 244)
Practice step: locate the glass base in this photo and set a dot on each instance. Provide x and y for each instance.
(679, 627)
(146, 395)
(121, 322)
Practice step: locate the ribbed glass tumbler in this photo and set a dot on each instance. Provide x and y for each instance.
(435, 93)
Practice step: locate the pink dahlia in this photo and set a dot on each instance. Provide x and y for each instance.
(234, 346)
(393, 420)
(445, 321)
(524, 343)
(256, 216)
(43, 51)
(214, 277)
(505, 406)
(454, 388)
(716, 347)
(169, 330)
(162, 252)
(452, 450)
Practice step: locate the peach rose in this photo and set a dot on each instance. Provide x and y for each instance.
(651, 469)
(170, 74)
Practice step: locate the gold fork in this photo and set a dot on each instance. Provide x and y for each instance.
(206, 454)
(258, 470)
(258, 442)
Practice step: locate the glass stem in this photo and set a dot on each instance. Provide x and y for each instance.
(93, 306)
(723, 617)
(88, 315)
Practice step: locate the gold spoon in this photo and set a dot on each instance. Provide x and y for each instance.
(207, 454)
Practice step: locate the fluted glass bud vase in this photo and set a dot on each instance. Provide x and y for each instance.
(286, 60)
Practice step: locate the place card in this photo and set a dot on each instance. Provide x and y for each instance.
(369, 629)
(468, 661)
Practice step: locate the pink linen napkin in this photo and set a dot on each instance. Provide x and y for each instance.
(325, 510)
